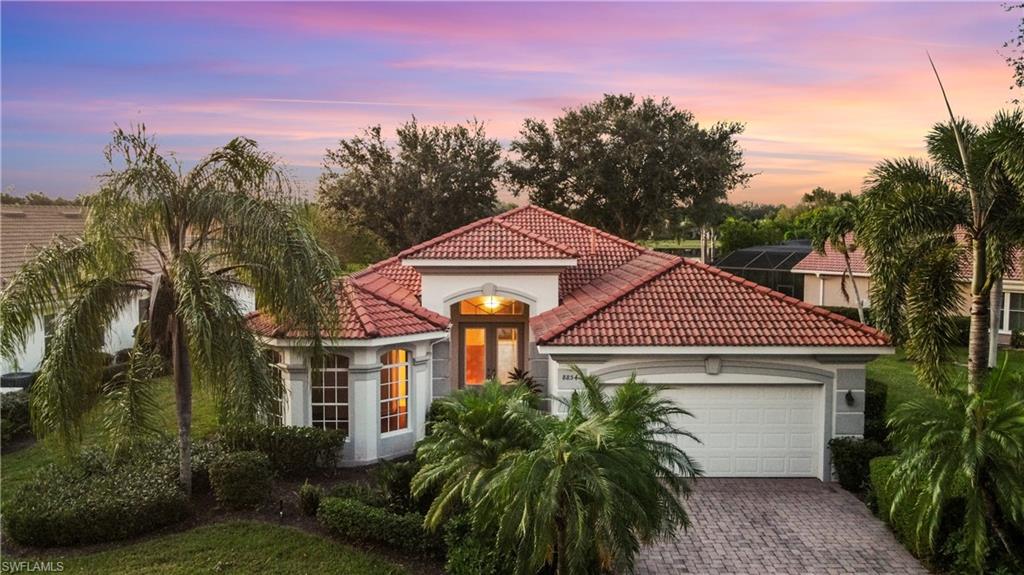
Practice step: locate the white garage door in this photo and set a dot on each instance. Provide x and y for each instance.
(753, 430)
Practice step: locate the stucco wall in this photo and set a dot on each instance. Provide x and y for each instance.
(827, 291)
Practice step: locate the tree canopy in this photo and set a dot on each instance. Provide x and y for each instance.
(621, 164)
(429, 181)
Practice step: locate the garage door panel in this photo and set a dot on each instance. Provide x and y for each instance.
(746, 430)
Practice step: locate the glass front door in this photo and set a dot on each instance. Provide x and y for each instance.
(490, 351)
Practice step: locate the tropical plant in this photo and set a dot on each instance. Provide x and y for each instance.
(969, 447)
(913, 214)
(581, 493)
(833, 224)
(187, 239)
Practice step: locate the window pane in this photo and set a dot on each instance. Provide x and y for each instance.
(394, 390)
(490, 305)
(330, 393)
(508, 352)
(475, 346)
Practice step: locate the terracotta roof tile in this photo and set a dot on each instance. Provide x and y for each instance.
(489, 239)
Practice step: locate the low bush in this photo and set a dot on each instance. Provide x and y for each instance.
(15, 420)
(309, 498)
(353, 519)
(241, 479)
(394, 482)
(292, 451)
(91, 500)
(851, 458)
(875, 396)
(470, 552)
(1017, 339)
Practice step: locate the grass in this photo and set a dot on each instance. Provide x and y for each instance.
(19, 467)
(898, 374)
(231, 547)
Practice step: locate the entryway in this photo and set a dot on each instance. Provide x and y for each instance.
(490, 338)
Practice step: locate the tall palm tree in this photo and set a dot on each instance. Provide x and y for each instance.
(187, 239)
(582, 492)
(971, 447)
(915, 211)
(834, 225)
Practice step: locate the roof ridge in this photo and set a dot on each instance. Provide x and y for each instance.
(577, 223)
(445, 236)
(568, 250)
(633, 283)
(417, 310)
(808, 307)
(348, 290)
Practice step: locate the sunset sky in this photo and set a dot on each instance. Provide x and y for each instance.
(825, 90)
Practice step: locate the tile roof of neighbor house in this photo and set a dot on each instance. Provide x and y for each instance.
(618, 294)
(832, 262)
(24, 230)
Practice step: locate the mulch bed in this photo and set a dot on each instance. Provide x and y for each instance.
(282, 509)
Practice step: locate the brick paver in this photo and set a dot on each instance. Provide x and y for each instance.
(800, 526)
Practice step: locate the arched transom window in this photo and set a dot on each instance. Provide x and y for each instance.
(394, 391)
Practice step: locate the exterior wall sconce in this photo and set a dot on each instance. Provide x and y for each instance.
(849, 397)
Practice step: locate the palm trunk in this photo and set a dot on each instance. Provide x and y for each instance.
(561, 561)
(995, 311)
(977, 349)
(183, 397)
(703, 245)
(856, 290)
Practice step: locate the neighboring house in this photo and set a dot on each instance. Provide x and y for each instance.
(822, 274)
(770, 379)
(769, 266)
(24, 230)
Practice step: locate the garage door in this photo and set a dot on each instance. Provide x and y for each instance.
(753, 430)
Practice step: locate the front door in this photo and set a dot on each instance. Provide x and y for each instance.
(490, 350)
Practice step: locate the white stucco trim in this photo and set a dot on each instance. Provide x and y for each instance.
(829, 273)
(356, 343)
(497, 263)
(714, 350)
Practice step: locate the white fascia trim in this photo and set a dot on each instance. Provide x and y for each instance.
(477, 263)
(375, 342)
(714, 350)
(823, 273)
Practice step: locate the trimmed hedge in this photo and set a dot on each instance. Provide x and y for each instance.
(309, 498)
(292, 451)
(851, 457)
(15, 420)
(352, 519)
(241, 479)
(93, 500)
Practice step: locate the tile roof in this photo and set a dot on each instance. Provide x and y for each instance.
(370, 307)
(489, 239)
(619, 293)
(24, 230)
(687, 303)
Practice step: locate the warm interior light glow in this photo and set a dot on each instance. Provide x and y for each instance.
(492, 302)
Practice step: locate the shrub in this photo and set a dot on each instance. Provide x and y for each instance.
(241, 479)
(851, 457)
(362, 492)
(394, 482)
(92, 500)
(309, 498)
(875, 395)
(15, 420)
(470, 552)
(352, 519)
(292, 451)
(1017, 339)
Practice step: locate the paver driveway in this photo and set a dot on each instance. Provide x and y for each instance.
(778, 526)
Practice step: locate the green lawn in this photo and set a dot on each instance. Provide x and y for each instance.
(20, 466)
(242, 547)
(898, 373)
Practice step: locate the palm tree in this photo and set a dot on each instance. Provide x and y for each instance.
(915, 211)
(834, 225)
(583, 492)
(970, 447)
(187, 239)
